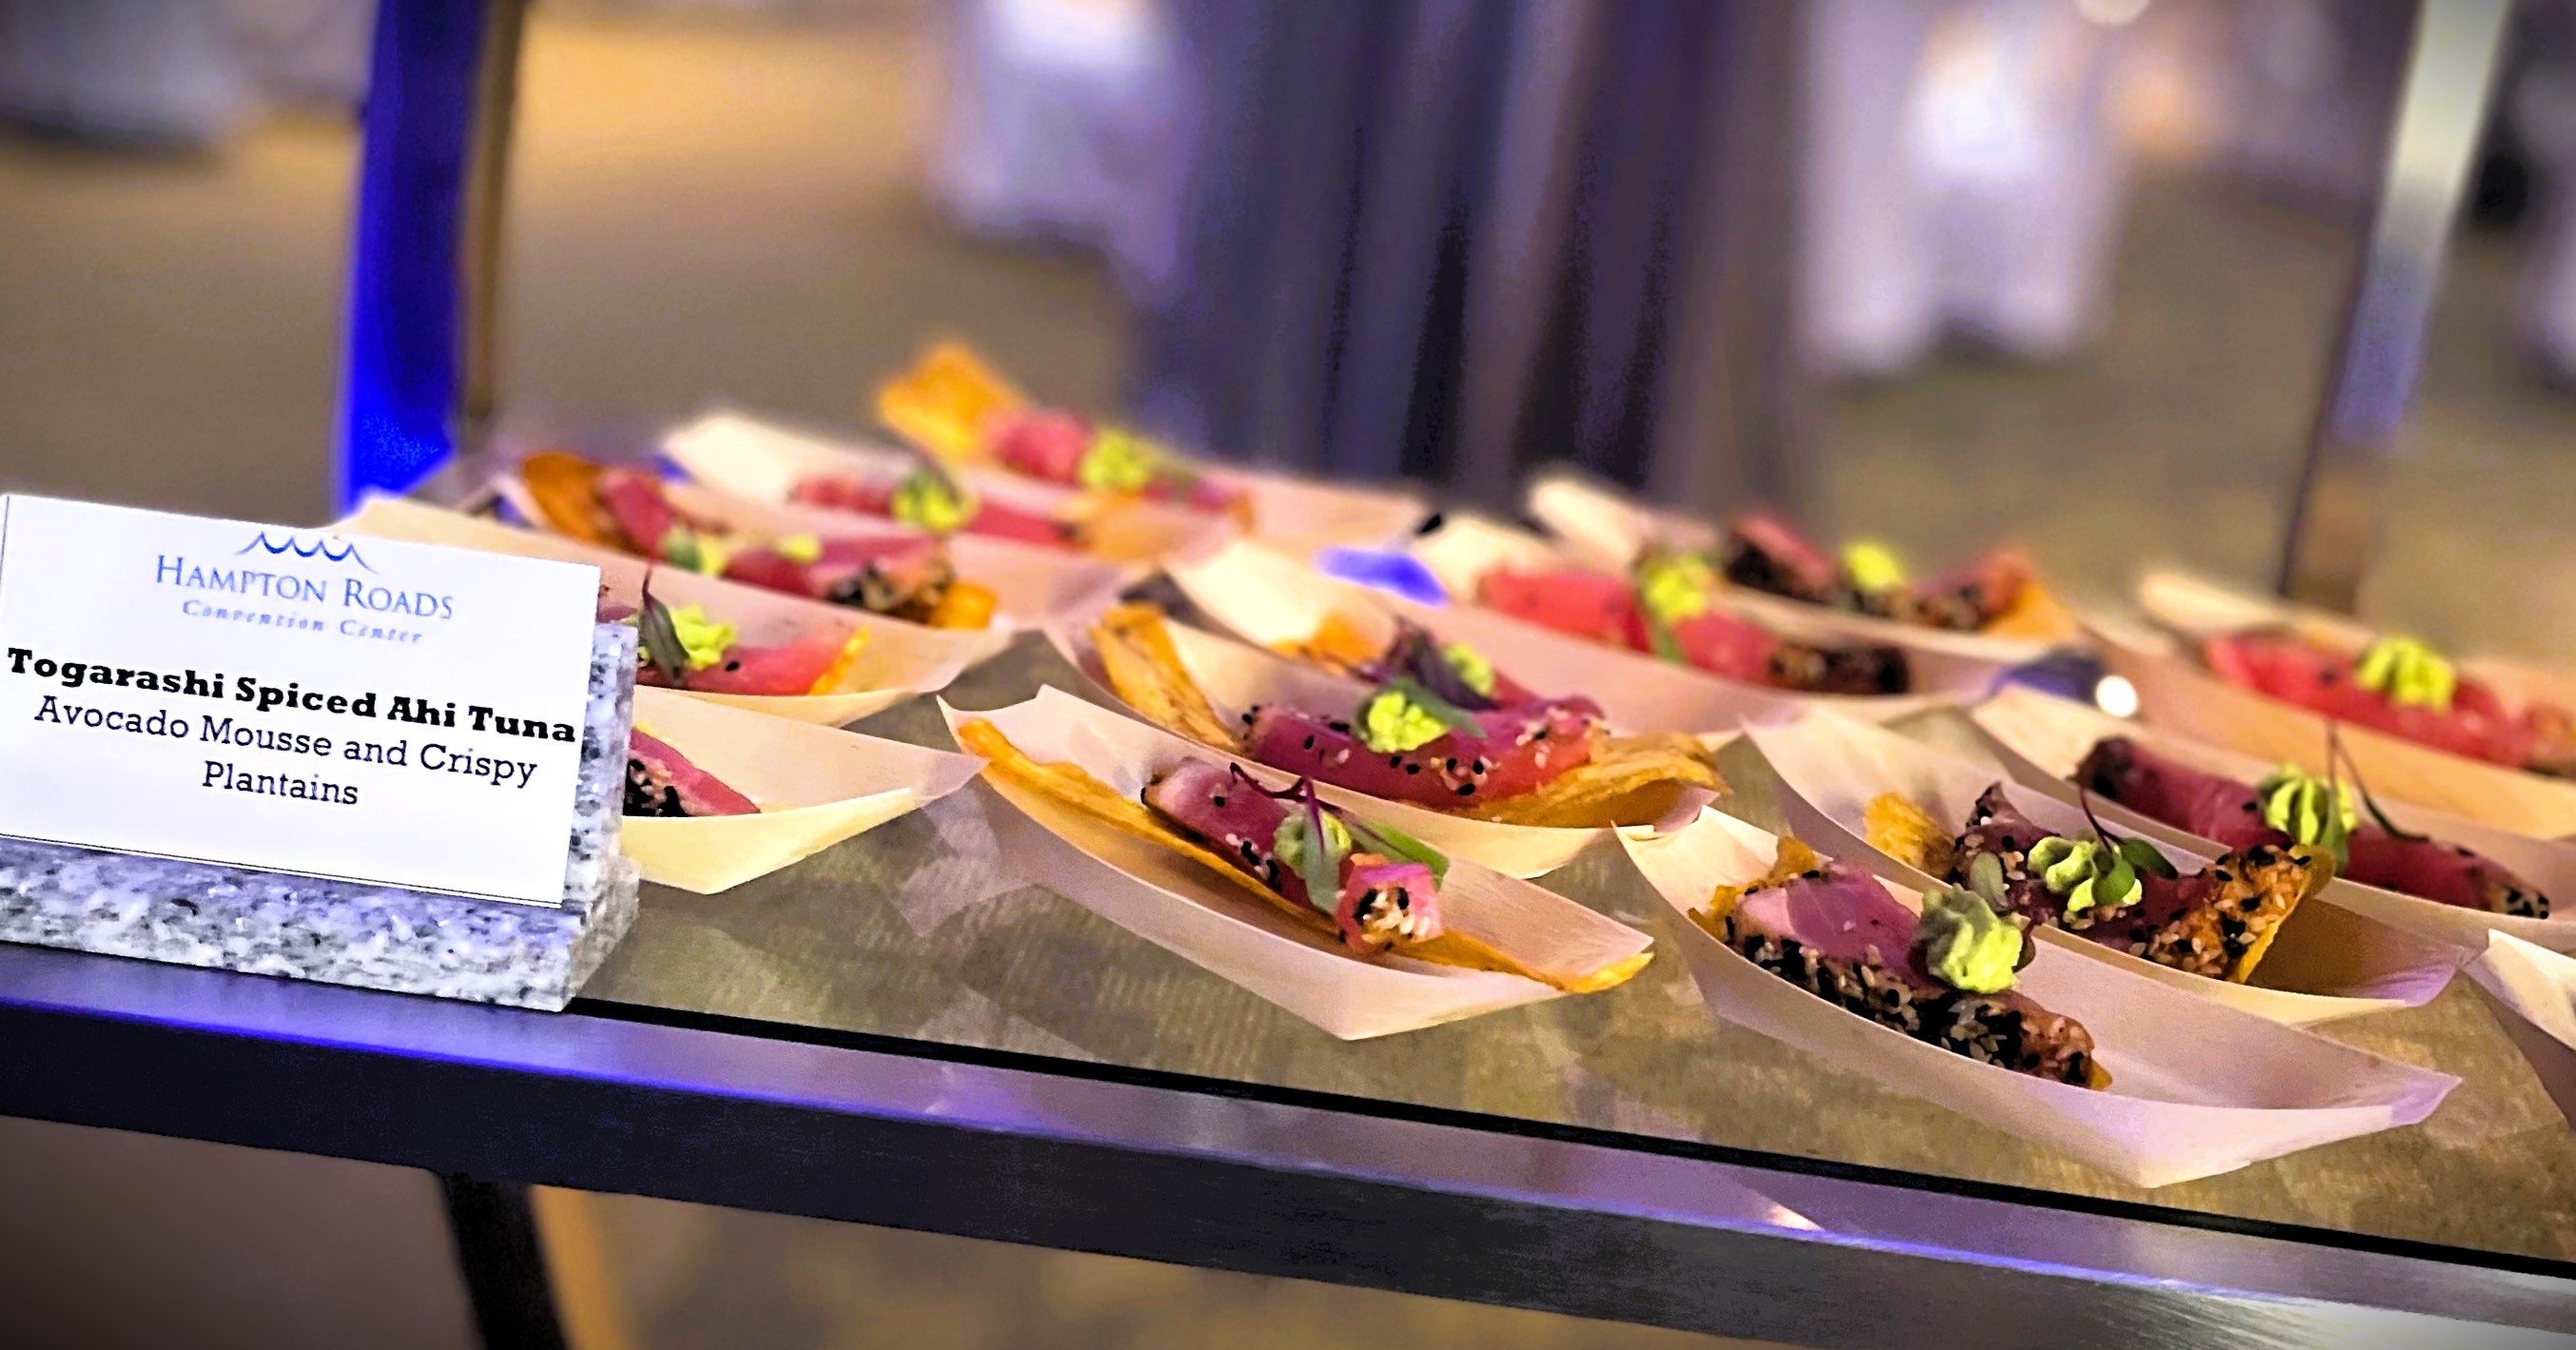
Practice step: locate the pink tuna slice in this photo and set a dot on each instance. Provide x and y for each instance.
(1837, 912)
(2231, 813)
(2477, 726)
(1523, 749)
(907, 561)
(991, 518)
(1042, 444)
(635, 501)
(787, 668)
(1378, 896)
(1585, 604)
(660, 781)
(1724, 645)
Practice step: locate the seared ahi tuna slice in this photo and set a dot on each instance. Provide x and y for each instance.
(1051, 446)
(1838, 934)
(1581, 603)
(1522, 750)
(1965, 600)
(1604, 608)
(875, 497)
(660, 781)
(786, 670)
(2216, 922)
(1381, 900)
(902, 575)
(2231, 813)
(2476, 724)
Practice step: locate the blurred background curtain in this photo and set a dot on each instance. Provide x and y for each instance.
(1449, 240)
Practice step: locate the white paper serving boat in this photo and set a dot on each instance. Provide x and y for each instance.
(2197, 1089)
(815, 787)
(2328, 962)
(1178, 904)
(1235, 677)
(1032, 584)
(897, 660)
(1276, 602)
(760, 460)
(2042, 739)
(1604, 528)
(2175, 692)
(1601, 526)
(2533, 992)
(1467, 546)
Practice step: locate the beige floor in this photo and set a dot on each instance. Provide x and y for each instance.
(724, 214)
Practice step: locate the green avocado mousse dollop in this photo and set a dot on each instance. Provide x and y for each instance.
(705, 640)
(2312, 810)
(933, 501)
(1118, 461)
(2407, 673)
(1965, 944)
(1873, 568)
(1392, 722)
(1674, 587)
(1289, 842)
(1470, 666)
(2087, 872)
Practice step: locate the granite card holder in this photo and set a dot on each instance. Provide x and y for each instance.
(375, 937)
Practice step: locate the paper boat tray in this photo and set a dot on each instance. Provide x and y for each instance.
(1603, 528)
(898, 660)
(1272, 601)
(815, 787)
(1600, 526)
(2328, 962)
(2533, 993)
(763, 461)
(1235, 677)
(1032, 585)
(2041, 740)
(1177, 904)
(2198, 1088)
(1467, 546)
(2175, 693)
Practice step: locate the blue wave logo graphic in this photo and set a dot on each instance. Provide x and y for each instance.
(320, 548)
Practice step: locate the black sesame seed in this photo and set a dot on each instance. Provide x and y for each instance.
(1310, 742)
(1339, 726)
(1466, 789)
(1217, 801)
(733, 665)
(1413, 768)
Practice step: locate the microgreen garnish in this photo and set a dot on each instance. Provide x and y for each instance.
(660, 637)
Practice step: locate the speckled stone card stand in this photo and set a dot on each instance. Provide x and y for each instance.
(373, 936)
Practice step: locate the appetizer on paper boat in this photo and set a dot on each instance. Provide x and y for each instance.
(956, 408)
(1996, 595)
(810, 662)
(1668, 607)
(1944, 977)
(684, 647)
(2122, 892)
(1438, 728)
(660, 781)
(902, 576)
(716, 796)
(2291, 806)
(1372, 888)
(763, 461)
(2444, 876)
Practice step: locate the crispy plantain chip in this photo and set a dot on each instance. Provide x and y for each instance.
(1630, 780)
(1793, 859)
(1143, 669)
(1905, 832)
(565, 490)
(964, 605)
(2035, 613)
(1339, 644)
(942, 404)
(1072, 787)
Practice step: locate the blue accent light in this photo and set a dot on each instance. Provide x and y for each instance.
(1399, 573)
(405, 356)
